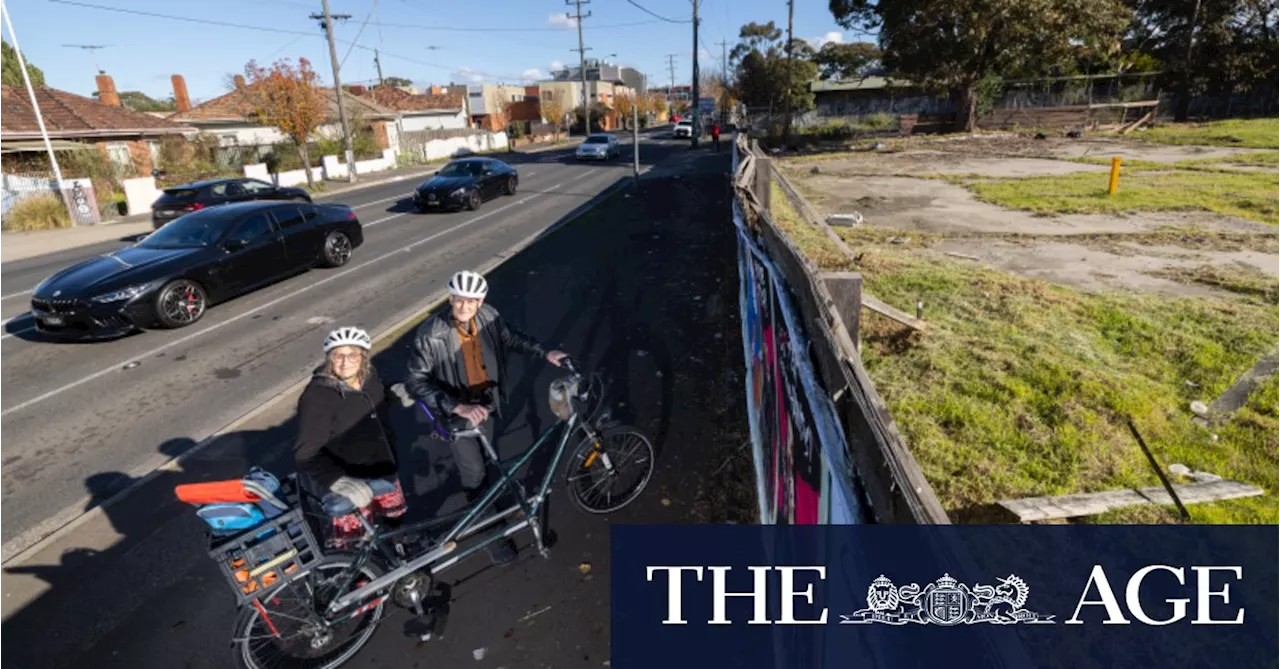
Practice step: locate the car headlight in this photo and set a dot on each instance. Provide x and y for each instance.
(459, 192)
(122, 294)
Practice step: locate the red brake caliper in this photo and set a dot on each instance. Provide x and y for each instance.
(191, 301)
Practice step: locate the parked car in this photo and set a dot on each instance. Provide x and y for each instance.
(683, 129)
(184, 199)
(465, 184)
(174, 274)
(599, 146)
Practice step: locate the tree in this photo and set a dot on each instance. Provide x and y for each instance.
(761, 76)
(846, 62)
(625, 104)
(11, 74)
(139, 101)
(953, 45)
(397, 81)
(288, 98)
(553, 112)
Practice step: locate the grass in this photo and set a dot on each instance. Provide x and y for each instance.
(1247, 195)
(1259, 133)
(37, 213)
(1234, 278)
(1022, 388)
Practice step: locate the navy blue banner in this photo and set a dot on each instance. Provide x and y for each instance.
(899, 596)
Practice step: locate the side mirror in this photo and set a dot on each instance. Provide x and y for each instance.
(232, 245)
(156, 173)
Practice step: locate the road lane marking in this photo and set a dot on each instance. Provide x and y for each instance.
(25, 292)
(138, 358)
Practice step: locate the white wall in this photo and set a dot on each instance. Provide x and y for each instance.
(435, 121)
(139, 194)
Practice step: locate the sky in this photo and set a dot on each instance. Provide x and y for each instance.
(426, 41)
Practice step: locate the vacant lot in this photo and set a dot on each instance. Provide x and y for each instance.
(1050, 330)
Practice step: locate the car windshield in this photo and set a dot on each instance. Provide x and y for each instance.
(464, 169)
(596, 139)
(197, 229)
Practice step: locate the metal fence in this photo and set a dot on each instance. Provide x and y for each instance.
(77, 196)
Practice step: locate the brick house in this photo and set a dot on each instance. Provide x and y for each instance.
(130, 139)
(417, 112)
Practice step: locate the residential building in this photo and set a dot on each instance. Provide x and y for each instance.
(431, 111)
(493, 106)
(130, 139)
(229, 117)
(634, 79)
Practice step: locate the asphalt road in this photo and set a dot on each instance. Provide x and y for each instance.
(643, 288)
(73, 411)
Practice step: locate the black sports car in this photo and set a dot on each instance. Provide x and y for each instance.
(465, 184)
(184, 199)
(205, 257)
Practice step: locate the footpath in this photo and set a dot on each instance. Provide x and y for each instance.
(21, 245)
(642, 287)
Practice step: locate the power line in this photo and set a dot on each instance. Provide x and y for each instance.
(582, 62)
(646, 11)
(511, 30)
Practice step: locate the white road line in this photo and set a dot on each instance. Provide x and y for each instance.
(117, 366)
(370, 224)
(25, 292)
(402, 196)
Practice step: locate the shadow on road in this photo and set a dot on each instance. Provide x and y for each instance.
(640, 288)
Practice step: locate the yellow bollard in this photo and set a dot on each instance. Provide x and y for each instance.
(1115, 176)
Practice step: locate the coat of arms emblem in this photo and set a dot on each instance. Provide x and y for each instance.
(946, 601)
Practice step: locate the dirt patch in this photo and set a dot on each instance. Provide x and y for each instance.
(940, 207)
(1160, 153)
(931, 163)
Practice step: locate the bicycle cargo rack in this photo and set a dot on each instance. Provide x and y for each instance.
(259, 560)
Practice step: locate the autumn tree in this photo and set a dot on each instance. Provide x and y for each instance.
(552, 111)
(286, 97)
(657, 105)
(625, 103)
(11, 74)
(953, 45)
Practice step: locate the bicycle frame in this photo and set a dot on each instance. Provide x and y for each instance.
(468, 525)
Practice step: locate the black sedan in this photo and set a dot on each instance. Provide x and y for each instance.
(465, 184)
(205, 257)
(187, 198)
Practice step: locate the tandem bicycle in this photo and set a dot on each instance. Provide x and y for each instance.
(301, 606)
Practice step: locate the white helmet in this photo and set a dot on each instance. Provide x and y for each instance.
(347, 336)
(468, 284)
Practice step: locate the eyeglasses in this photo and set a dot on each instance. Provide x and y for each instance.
(341, 357)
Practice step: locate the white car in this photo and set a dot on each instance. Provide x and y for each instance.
(683, 129)
(600, 146)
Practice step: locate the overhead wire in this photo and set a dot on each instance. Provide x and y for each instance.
(646, 10)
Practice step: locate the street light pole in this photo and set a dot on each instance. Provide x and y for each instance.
(696, 106)
(31, 91)
(337, 91)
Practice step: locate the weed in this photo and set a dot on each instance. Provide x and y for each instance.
(37, 213)
(1260, 133)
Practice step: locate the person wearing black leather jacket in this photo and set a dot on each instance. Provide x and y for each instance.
(345, 448)
(457, 367)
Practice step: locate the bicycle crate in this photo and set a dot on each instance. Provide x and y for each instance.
(257, 561)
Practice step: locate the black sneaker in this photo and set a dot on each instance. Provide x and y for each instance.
(502, 552)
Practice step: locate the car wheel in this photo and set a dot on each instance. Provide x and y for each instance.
(473, 202)
(337, 249)
(180, 303)
(511, 186)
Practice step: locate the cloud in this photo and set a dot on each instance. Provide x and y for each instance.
(831, 37)
(703, 54)
(562, 21)
(469, 75)
(556, 65)
(532, 74)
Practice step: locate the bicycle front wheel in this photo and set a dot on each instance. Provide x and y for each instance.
(285, 630)
(610, 470)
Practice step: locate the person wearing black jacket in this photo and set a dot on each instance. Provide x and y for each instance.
(458, 367)
(345, 447)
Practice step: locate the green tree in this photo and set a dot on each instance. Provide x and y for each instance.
(761, 76)
(139, 101)
(953, 45)
(397, 81)
(846, 62)
(11, 73)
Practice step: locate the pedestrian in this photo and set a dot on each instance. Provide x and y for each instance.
(345, 447)
(457, 367)
(715, 135)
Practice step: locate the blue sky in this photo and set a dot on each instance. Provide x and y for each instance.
(143, 51)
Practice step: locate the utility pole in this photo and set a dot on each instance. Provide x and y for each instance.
(337, 90)
(582, 61)
(697, 122)
(377, 62)
(786, 124)
(31, 91)
(724, 60)
(671, 67)
(635, 141)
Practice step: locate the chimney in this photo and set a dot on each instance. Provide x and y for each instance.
(239, 78)
(107, 94)
(357, 90)
(180, 96)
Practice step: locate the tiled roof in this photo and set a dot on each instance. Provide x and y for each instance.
(70, 115)
(404, 101)
(234, 107)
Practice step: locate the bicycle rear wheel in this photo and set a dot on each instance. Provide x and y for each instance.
(283, 630)
(608, 473)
